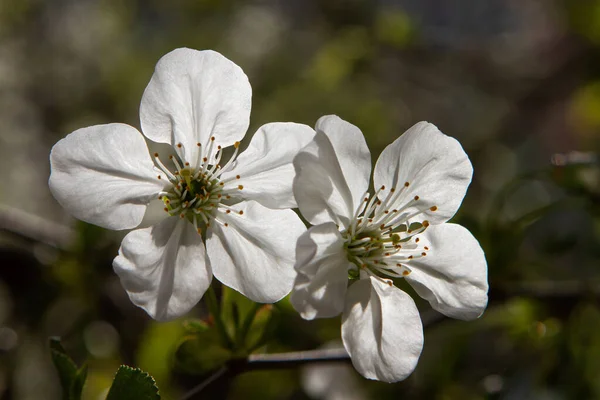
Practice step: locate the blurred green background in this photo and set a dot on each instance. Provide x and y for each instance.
(516, 82)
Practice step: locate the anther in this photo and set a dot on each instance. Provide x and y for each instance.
(426, 248)
(199, 231)
(156, 155)
(383, 187)
(182, 215)
(212, 139)
(423, 254)
(425, 224)
(228, 211)
(237, 177)
(205, 159)
(416, 198)
(179, 145)
(158, 176)
(406, 184)
(434, 208)
(187, 164)
(198, 144)
(226, 224)
(417, 241)
(241, 212)
(240, 187)
(236, 144)
(392, 190)
(406, 272)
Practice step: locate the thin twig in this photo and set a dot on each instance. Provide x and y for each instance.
(35, 228)
(296, 358)
(256, 362)
(197, 389)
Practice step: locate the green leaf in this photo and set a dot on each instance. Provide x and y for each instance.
(71, 378)
(133, 384)
(194, 325)
(202, 353)
(262, 328)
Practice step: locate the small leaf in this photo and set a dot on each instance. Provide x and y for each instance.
(133, 384)
(78, 382)
(71, 378)
(262, 328)
(202, 353)
(195, 325)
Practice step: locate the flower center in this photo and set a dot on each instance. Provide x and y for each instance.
(193, 196)
(382, 241)
(195, 192)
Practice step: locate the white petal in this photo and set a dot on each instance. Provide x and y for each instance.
(381, 330)
(332, 172)
(164, 268)
(435, 166)
(103, 175)
(322, 266)
(194, 95)
(265, 167)
(254, 254)
(453, 275)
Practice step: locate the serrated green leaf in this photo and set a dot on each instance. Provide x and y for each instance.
(202, 353)
(133, 384)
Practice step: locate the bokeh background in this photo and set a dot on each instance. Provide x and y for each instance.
(516, 81)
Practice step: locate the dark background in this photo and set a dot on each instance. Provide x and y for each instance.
(517, 82)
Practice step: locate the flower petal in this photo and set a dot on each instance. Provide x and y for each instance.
(192, 96)
(265, 167)
(103, 175)
(434, 165)
(453, 275)
(254, 252)
(322, 266)
(381, 330)
(332, 172)
(164, 268)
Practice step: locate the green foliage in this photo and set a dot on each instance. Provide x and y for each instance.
(128, 384)
(71, 377)
(202, 352)
(245, 324)
(133, 384)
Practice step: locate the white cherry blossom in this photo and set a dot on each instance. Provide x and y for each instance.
(227, 218)
(360, 242)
